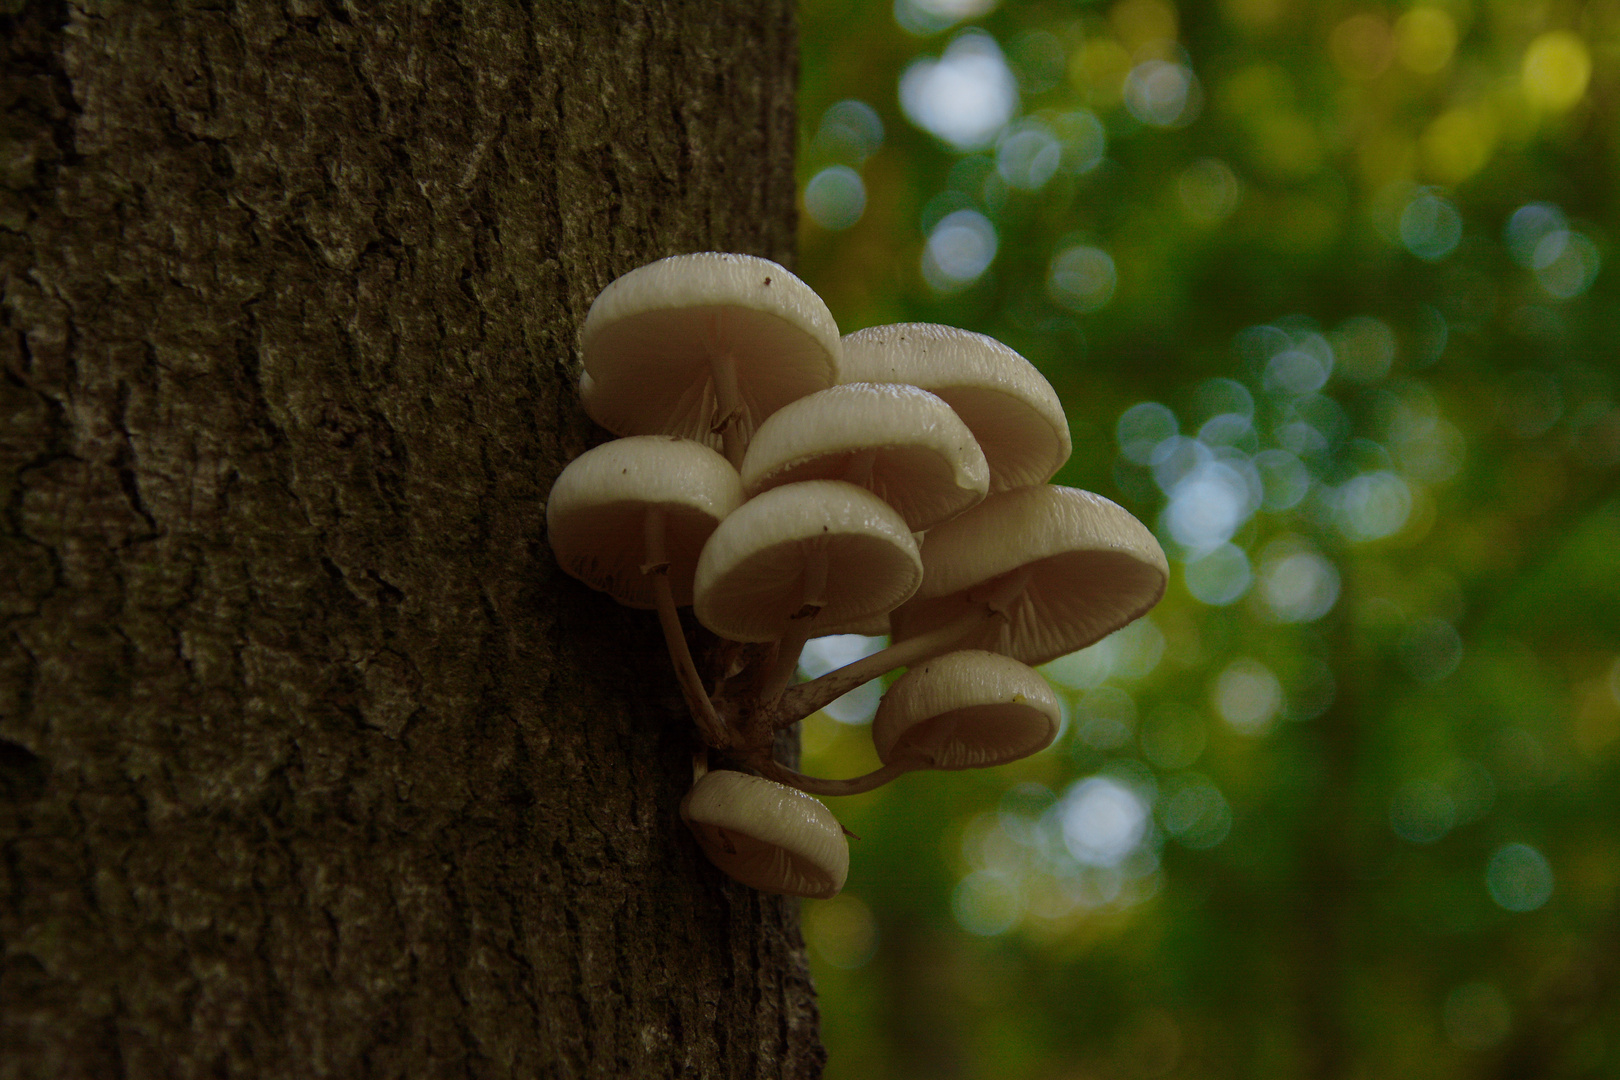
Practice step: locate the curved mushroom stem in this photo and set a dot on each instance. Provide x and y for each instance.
(813, 597)
(997, 596)
(697, 699)
(816, 785)
(800, 701)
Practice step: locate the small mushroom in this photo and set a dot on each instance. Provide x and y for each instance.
(966, 710)
(903, 444)
(1066, 567)
(767, 835)
(1010, 407)
(815, 553)
(630, 518)
(963, 710)
(604, 502)
(704, 346)
(1032, 573)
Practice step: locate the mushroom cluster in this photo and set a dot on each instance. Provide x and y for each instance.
(787, 484)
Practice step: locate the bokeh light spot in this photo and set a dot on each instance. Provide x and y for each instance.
(959, 250)
(987, 903)
(1422, 811)
(1373, 505)
(1209, 191)
(1430, 650)
(1297, 586)
(1220, 576)
(1425, 38)
(1163, 93)
(1028, 155)
(966, 96)
(1519, 877)
(1173, 736)
(1196, 814)
(835, 198)
(850, 131)
(1556, 69)
(841, 931)
(1362, 46)
(1430, 226)
(1247, 696)
(1103, 821)
(923, 17)
(1082, 278)
(1142, 428)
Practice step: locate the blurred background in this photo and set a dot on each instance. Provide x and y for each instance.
(1329, 291)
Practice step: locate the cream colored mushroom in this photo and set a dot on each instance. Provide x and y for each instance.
(630, 518)
(1033, 573)
(1011, 409)
(767, 835)
(966, 710)
(704, 346)
(815, 553)
(1066, 567)
(903, 444)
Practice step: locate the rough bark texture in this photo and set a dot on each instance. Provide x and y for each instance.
(311, 761)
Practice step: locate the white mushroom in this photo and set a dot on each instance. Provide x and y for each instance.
(816, 553)
(963, 710)
(966, 710)
(767, 835)
(1032, 573)
(1012, 410)
(600, 506)
(704, 346)
(903, 444)
(630, 518)
(1067, 567)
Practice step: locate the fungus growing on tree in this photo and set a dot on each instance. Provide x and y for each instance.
(845, 447)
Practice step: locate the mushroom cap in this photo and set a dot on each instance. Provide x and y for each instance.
(903, 444)
(597, 509)
(1092, 568)
(651, 336)
(751, 576)
(767, 835)
(1008, 404)
(966, 710)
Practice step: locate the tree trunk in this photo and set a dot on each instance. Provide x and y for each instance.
(312, 763)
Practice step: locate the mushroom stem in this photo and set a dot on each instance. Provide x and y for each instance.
(800, 701)
(697, 699)
(728, 398)
(813, 596)
(816, 785)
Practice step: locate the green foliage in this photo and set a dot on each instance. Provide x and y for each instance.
(1330, 296)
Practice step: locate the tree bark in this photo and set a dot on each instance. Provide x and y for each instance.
(312, 763)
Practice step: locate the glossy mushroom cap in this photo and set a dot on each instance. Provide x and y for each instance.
(820, 542)
(1077, 568)
(966, 710)
(767, 835)
(1011, 409)
(904, 445)
(597, 510)
(653, 338)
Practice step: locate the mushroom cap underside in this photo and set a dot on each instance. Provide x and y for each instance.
(755, 574)
(965, 710)
(767, 835)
